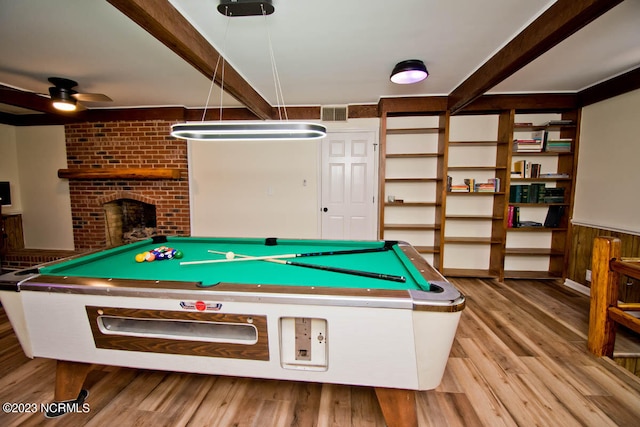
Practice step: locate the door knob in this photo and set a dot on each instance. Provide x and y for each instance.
(325, 209)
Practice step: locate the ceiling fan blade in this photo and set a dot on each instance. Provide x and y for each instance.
(92, 97)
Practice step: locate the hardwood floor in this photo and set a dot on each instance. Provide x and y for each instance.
(519, 359)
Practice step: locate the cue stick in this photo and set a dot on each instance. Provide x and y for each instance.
(387, 245)
(245, 258)
(361, 273)
(368, 274)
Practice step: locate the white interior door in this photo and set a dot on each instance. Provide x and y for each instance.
(349, 182)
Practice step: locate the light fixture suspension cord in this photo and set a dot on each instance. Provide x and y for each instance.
(215, 70)
(274, 70)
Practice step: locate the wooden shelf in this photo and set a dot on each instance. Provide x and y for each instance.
(474, 217)
(539, 275)
(474, 143)
(525, 128)
(412, 226)
(476, 168)
(427, 249)
(412, 131)
(472, 240)
(411, 204)
(409, 180)
(536, 229)
(541, 153)
(532, 252)
(540, 179)
(468, 272)
(412, 155)
(475, 193)
(537, 205)
(119, 173)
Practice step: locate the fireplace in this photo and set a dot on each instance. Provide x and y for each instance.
(125, 148)
(128, 220)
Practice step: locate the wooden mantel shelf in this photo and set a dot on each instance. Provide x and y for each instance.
(119, 173)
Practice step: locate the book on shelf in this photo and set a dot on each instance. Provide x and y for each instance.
(514, 221)
(510, 216)
(554, 175)
(525, 169)
(536, 193)
(459, 188)
(496, 184)
(559, 145)
(513, 217)
(529, 224)
(535, 144)
(471, 183)
(554, 195)
(518, 169)
(527, 193)
(471, 186)
(518, 193)
(563, 122)
(554, 216)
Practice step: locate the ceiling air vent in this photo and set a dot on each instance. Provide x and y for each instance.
(335, 113)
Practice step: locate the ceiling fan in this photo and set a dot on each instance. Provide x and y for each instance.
(65, 98)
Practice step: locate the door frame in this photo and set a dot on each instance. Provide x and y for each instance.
(376, 174)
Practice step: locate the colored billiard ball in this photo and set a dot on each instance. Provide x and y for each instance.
(178, 254)
(140, 258)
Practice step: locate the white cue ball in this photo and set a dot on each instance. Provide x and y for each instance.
(231, 255)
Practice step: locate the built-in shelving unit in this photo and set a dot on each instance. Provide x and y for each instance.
(541, 251)
(412, 159)
(469, 233)
(473, 236)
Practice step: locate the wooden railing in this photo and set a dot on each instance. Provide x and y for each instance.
(606, 312)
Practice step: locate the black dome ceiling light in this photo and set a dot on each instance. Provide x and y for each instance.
(409, 71)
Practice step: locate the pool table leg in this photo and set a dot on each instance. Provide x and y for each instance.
(70, 377)
(398, 406)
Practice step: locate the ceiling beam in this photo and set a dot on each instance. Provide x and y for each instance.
(165, 23)
(558, 22)
(28, 100)
(608, 89)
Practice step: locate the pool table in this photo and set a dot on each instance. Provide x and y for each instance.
(369, 313)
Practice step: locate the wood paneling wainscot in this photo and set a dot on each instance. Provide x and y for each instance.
(581, 254)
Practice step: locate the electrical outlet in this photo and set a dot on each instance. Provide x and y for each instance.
(588, 276)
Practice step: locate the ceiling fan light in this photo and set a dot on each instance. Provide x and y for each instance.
(62, 98)
(409, 71)
(64, 105)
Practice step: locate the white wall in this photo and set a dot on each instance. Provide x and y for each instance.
(30, 158)
(254, 188)
(9, 167)
(259, 188)
(609, 165)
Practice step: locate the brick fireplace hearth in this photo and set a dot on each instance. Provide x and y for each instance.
(121, 145)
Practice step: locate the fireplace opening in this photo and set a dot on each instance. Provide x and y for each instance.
(129, 220)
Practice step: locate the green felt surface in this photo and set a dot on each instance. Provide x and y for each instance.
(120, 263)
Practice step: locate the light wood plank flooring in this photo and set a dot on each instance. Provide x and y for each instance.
(519, 359)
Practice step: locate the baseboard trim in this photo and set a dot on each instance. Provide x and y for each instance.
(577, 287)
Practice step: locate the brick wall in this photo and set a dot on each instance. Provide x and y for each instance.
(134, 144)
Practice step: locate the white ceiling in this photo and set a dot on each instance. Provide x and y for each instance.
(327, 52)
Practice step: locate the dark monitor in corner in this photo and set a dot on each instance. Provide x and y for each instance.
(5, 193)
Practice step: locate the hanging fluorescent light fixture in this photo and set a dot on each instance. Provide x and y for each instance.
(249, 130)
(235, 130)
